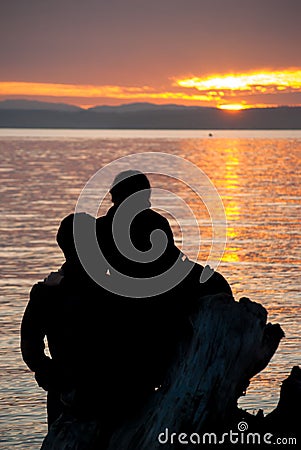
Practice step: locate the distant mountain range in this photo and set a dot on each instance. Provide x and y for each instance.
(35, 105)
(35, 114)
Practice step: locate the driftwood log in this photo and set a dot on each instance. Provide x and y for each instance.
(231, 342)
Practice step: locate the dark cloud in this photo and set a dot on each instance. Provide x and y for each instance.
(142, 41)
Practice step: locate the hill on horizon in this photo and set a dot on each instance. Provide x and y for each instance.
(123, 107)
(37, 105)
(35, 114)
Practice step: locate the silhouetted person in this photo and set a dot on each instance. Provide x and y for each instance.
(159, 322)
(64, 312)
(156, 322)
(132, 221)
(98, 343)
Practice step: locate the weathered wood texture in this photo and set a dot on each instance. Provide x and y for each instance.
(287, 416)
(230, 344)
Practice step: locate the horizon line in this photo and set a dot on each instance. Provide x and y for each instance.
(235, 107)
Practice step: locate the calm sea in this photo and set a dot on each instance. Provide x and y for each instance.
(256, 173)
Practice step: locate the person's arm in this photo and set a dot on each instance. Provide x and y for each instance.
(33, 332)
(54, 278)
(172, 251)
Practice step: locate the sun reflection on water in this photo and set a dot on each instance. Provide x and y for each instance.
(259, 183)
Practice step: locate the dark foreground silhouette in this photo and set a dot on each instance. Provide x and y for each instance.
(110, 353)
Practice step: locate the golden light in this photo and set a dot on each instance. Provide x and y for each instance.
(286, 79)
(65, 90)
(233, 107)
(224, 91)
(99, 91)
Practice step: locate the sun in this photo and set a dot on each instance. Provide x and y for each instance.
(233, 107)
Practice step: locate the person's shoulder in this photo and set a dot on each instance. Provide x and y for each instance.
(102, 223)
(100, 220)
(41, 289)
(153, 215)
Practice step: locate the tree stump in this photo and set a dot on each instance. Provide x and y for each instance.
(231, 343)
(287, 416)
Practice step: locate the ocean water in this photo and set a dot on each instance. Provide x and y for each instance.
(256, 174)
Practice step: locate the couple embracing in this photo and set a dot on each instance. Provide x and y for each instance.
(109, 348)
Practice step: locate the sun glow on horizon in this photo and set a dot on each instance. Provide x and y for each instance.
(232, 92)
(259, 81)
(233, 107)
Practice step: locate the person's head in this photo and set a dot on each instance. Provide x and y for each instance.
(65, 238)
(129, 182)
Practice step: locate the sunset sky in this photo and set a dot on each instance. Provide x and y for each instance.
(231, 54)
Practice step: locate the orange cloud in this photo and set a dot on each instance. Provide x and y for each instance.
(234, 89)
(226, 91)
(66, 90)
(89, 91)
(262, 81)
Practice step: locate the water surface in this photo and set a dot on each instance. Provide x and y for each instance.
(257, 175)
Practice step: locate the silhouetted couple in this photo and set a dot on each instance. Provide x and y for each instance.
(110, 350)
